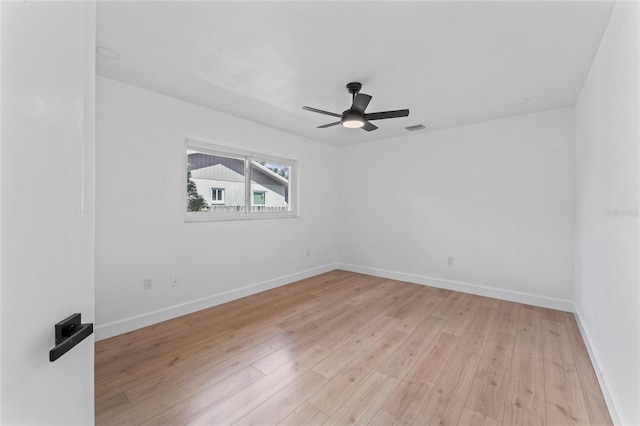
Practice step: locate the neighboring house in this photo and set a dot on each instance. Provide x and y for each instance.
(220, 180)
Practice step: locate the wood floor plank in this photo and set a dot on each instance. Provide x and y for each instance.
(397, 296)
(414, 305)
(411, 317)
(447, 308)
(345, 348)
(279, 406)
(126, 375)
(462, 316)
(575, 337)
(366, 402)
(473, 418)
(328, 308)
(384, 418)
(225, 313)
(507, 318)
(154, 334)
(564, 400)
(489, 388)
(564, 405)
(399, 363)
(406, 400)
(249, 398)
(430, 365)
(270, 362)
(183, 411)
(149, 348)
(529, 335)
(276, 311)
(376, 291)
(111, 404)
(596, 405)
(345, 355)
(444, 403)
(500, 342)
(555, 342)
(343, 385)
(479, 330)
(327, 321)
(378, 351)
(306, 414)
(182, 382)
(357, 325)
(551, 315)
(339, 389)
(525, 397)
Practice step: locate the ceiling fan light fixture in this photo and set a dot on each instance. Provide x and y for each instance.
(352, 119)
(353, 123)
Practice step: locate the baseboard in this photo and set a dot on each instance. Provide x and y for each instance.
(480, 290)
(610, 401)
(125, 325)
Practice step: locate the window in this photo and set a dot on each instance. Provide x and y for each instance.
(217, 195)
(242, 185)
(259, 198)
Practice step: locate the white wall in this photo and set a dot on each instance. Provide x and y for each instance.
(496, 196)
(140, 230)
(48, 70)
(607, 293)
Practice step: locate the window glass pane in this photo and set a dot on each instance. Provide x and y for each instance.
(259, 198)
(270, 186)
(215, 182)
(217, 195)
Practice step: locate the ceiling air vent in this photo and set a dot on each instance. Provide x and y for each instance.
(416, 127)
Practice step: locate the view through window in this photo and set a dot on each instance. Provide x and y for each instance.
(224, 183)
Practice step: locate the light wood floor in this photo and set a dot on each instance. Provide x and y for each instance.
(345, 348)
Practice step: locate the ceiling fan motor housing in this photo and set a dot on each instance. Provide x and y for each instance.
(354, 87)
(351, 114)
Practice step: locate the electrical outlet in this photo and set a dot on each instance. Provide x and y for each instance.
(174, 280)
(148, 284)
(450, 260)
(308, 253)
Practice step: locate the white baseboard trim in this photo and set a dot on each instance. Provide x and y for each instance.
(480, 290)
(611, 403)
(125, 325)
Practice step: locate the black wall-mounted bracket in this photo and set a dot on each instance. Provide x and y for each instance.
(69, 332)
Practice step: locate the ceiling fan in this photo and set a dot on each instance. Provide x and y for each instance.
(355, 117)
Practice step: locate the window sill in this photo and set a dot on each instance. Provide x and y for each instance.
(203, 217)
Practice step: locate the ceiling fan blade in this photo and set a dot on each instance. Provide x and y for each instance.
(387, 114)
(319, 111)
(360, 102)
(368, 126)
(328, 125)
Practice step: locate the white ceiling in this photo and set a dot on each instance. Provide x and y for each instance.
(449, 62)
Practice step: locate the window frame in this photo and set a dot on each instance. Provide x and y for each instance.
(253, 198)
(247, 157)
(217, 202)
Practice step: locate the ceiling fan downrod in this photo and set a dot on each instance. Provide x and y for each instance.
(353, 88)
